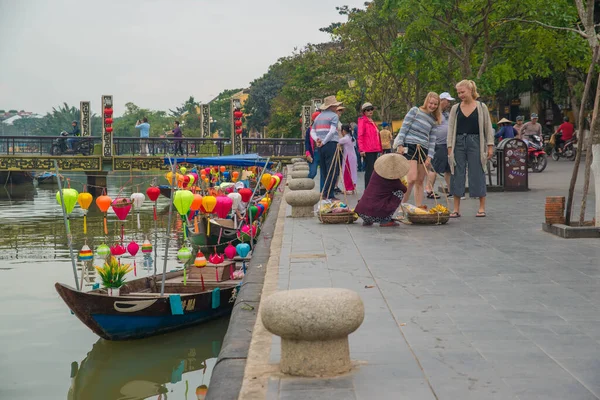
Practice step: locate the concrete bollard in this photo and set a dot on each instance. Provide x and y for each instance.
(314, 325)
(297, 160)
(302, 202)
(299, 174)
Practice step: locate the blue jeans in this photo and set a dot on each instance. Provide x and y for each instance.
(312, 168)
(70, 142)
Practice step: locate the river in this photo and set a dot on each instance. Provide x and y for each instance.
(45, 351)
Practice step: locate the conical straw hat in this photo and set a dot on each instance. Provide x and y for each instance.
(392, 166)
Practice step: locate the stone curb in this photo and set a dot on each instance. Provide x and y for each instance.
(228, 373)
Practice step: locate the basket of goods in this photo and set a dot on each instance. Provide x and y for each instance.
(437, 215)
(336, 212)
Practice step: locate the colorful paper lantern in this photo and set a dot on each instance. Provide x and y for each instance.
(216, 258)
(200, 260)
(239, 131)
(238, 123)
(235, 175)
(209, 203)
(153, 192)
(103, 202)
(261, 209)
(230, 251)
(196, 203)
(184, 254)
(252, 213)
(69, 198)
(117, 250)
(85, 254)
(243, 249)
(146, 247)
(108, 112)
(102, 250)
(238, 114)
(223, 206)
(266, 180)
(137, 199)
(246, 194)
(85, 200)
(183, 170)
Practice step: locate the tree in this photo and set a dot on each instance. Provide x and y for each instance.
(220, 112)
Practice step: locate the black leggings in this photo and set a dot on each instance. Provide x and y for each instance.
(370, 159)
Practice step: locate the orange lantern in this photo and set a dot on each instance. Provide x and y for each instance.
(235, 175)
(103, 202)
(209, 203)
(223, 168)
(85, 200)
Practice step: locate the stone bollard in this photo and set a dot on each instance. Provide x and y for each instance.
(314, 325)
(301, 184)
(302, 202)
(303, 173)
(297, 160)
(301, 167)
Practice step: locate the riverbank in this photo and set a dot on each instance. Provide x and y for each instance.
(481, 308)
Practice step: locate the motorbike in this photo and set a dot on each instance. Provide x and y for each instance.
(537, 159)
(568, 150)
(81, 145)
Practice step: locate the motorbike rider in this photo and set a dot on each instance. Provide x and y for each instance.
(563, 134)
(506, 130)
(74, 133)
(517, 127)
(531, 128)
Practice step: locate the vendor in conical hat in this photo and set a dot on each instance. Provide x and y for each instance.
(382, 197)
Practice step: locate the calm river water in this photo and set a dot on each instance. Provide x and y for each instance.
(47, 353)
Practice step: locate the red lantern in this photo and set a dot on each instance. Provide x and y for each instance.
(238, 123)
(239, 131)
(108, 121)
(238, 114)
(246, 194)
(109, 129)
(108, 112)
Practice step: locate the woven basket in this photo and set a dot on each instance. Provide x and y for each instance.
(429, 219)
(338, 218)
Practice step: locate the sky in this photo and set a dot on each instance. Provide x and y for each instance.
(154, 53)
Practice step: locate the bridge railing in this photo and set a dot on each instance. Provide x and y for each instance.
(128, 146)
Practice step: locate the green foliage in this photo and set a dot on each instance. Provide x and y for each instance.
(159, 121)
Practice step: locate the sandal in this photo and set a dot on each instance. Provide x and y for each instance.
(386, 224)
(480, 214)
(454, 215)
(432, 195)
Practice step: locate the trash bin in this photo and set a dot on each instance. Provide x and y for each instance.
(512, 165)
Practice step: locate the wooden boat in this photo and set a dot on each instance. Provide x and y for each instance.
(140, 311)
(47, 178)
(140, 370)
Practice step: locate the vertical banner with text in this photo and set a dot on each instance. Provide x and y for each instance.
(205, 117)
(306, 122)
(85, 118)
(107, 112)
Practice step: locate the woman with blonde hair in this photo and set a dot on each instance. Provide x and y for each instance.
(416, 140)
(470, 145)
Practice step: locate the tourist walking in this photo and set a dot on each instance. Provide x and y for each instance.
(178, 139)
(416, 140)
(349, 165)
(369, 144)
(470, 145)
(440, 160)
(385, 192)
(312, 151)
(385, 136)
(324, 133)
(144, 128)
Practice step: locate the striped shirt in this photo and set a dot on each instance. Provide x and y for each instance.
(325, 127)
(417, 128)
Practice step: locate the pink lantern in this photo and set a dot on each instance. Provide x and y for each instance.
(133, 248)
(223, 206)
(216, 258)
(121, 206)
(117, 250)
(230, 251)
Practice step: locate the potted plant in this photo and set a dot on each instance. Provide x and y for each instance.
(113, 275)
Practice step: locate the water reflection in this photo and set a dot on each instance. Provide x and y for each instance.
(150, 367)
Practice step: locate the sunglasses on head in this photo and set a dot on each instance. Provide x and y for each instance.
(369, 109)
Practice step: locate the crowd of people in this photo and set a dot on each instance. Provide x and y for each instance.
(454, 141)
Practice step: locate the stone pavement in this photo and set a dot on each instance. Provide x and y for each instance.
(481, 308)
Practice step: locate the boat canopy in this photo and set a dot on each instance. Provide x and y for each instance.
(240, 160)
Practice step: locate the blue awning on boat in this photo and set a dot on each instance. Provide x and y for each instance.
(242, 160)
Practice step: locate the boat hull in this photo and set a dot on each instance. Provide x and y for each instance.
(133, 316)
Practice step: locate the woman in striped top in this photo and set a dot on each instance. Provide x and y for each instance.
(416, 140)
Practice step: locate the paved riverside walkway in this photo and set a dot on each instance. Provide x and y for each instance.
(481, 308)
